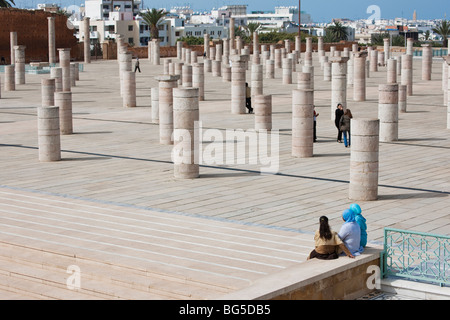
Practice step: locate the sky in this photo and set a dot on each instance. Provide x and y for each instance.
(320, 10)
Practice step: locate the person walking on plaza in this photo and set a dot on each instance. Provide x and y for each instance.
(248, 98)
(136, 66)
(344, 125)
(316, 114)
(328, 245)
(338, 114)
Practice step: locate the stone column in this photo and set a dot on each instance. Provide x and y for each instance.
(427, 61)
(19, 65)
(150, 50)
(407, 73)
(12, 44)
(287, 71)
(10, 84)
(338, 83)
(129, 89)
(409, 46)
(302, 123)
(303, 80)
(166, 85)
(270, 69)
(402, 98)
(238, 79)
(399, 65)
(166, 63)
(47, 92)
(256, 80)
(207, 65)
(198, 80)
(255, 44)
(447, 59)
(179, 72)
(310, 70)
(327, 71)
(185, 116)
(387, 50)
(194, 58)
(73, 75)
(64, 63)
(226, 50)
(298, 45)
(374, 61)
(263, 112)
(179, 49)
(216, 68)
(125, 64)
(231, 33)
(278, 58)
(155, 53)
(187, 75)
(391, 71)
(49, 140)
(359, 76)
(388, 112)
(155, 104)
(63, 100)
(87, 40)
(364, 159)
(51, 40)
(445, 76)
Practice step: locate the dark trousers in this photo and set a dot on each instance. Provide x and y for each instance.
(248, 104)
(315, 136)
(137, 68)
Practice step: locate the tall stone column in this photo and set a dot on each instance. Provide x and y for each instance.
(388, 112)
(47, 92)
(338, 83)
(427, 61)
(198, 80)
(49, 140)
(359, 76)
(327, 71)
(391, 71)
(51, 40)
(407, 73)
(64, 63)
(298, 46)
(387, 50)
(19, 65)
(87, 40)
(263, 112)
(10, 83)
(238, 79)
(402, 98)
(63, 100)
(364, 159)
(155, 104)
(231, 33)
(186, 142)
(302, 123)
(187, 75)
(166, 86)
(257, 80)
(150, 50)
(155, 53)
(226, 50)
(255, 44)
(12, 44)
(180, 48)
(129, 89)
(374, 61)
(447, 59)
(409, 46)
(287, 71)
(278, 59)
(125, 65)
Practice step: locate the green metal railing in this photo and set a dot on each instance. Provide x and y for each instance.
(416, 256)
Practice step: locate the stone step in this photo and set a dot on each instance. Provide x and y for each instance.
(115, 281)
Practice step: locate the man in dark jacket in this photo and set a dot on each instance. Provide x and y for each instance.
(338, 114)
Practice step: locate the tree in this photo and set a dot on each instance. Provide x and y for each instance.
(6, 3)
(443, 29)
(252, 27)
(337, 32)
(152, 18)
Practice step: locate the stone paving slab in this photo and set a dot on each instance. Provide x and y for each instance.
(114, 158)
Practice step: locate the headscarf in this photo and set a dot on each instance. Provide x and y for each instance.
(356, 208)
(348, 215)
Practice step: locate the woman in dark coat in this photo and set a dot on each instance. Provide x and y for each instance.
(344, 125)
(338, 114)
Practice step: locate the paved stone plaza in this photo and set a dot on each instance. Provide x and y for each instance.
(113, 196)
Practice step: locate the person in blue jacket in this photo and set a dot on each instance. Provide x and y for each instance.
(361, 221)
(350, 233)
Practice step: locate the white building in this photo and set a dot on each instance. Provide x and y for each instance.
(282, 19)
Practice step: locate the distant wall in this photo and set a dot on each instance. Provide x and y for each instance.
(32, 31)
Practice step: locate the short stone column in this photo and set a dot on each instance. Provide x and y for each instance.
(364, 159)
(270, 69)
(407, 73)
(194, 58)
(373, 61)
(47, 92)
(338, 83)
(327, 71)
(391, 71)
(207, 65)
(63, 100)
(129, 89)
(278, 58)
(166, 85)
(310, 70)
(155, 104)
(166, 63)
(64, 63)
(87, 40)
(179, 72)
(51, 40)
(49, 140)
(73, 75)
(262, 105)
(410, 46)
(302, 123)
(238, 79)
(198, 80)
(186, 142)
(427, 61)
(216, 68)
(388, 112)
(359, 76)
(256, 80)
(287, 45)
(125, 65)
(399, 65)
(19, 65)
(219, 52)
(381, 61)
(303, 80)
(402, 98)
(187, 75)
(287, 71)
(10, 84)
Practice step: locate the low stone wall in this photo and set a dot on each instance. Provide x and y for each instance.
(341, 279)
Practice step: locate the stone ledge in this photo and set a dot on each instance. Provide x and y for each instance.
(414, 289)
(343, 278)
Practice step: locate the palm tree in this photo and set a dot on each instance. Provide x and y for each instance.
(252, 27)
(152, 18)
(443, 29)
(6, 3)
(337, 31)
